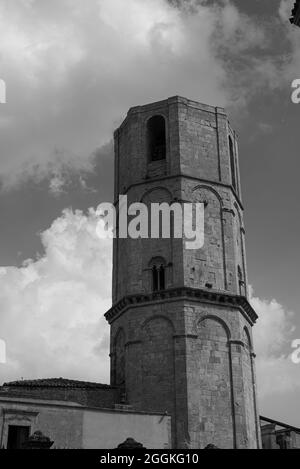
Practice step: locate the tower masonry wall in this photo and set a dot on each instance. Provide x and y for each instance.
(185, 348)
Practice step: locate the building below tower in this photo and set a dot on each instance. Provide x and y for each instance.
(75, 415)
(81, 415)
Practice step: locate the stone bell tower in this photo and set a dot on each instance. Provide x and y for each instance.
(181, 323)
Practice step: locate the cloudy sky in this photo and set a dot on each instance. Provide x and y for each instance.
(72, 70)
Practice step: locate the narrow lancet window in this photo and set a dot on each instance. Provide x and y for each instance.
(156, 128)
(232, 163)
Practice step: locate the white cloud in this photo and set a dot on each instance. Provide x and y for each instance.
(145, 21)
(265, 127)
(57, 184)
(285, 9)
(52, 314)
(273, 335)
(52, 308)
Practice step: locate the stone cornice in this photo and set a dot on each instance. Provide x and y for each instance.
(183, 293)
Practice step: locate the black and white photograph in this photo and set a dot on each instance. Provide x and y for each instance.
(149, 228)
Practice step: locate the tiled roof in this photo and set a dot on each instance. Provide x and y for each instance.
(56, 383)
(295, 13)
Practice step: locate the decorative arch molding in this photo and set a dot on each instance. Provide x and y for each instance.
(157, 316)
(158, 369)
(203, 187)
(150, 247)
(212, 317)
(209, 189)
(217, 363)
(120, 331)
(247, 336)
(155, 114)
(119, 358)
(238, 210)
(157, 188)
(250, 382)
(241, 233)
(157, 260)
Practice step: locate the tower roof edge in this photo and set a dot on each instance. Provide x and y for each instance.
(155, 105)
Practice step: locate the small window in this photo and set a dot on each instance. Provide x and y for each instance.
(17, 436)
(158, 277)
(162, 278)
(155, 281)
(156, 138)
(232, 163)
